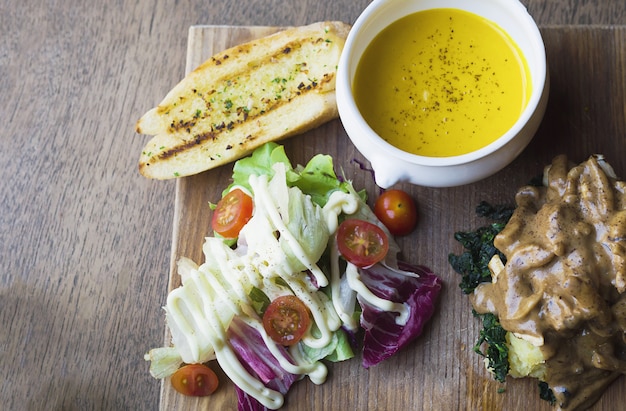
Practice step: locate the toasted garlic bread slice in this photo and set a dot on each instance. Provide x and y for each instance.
(264, 90)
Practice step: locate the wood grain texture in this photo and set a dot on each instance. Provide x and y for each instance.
(439, 371)
(85, 241)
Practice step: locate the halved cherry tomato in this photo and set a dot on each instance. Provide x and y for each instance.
(361, 242)
(397, 211)
(196, 380)
(286, 319)
(232, 212)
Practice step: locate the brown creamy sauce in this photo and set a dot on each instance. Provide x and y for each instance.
(564, 282)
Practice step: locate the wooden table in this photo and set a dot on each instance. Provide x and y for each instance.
(86, 242)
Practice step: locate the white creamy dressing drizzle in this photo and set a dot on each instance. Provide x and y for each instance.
(352, 274)
(340, 202)
(194, 305)
(200, 312)
(316, 371)
(238, 375)
(344, 304)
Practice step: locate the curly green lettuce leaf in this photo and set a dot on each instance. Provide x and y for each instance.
(261, 162)
(317, 178)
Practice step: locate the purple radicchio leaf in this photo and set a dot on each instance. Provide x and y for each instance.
(383, 337)
(257, 359)
(247, 402)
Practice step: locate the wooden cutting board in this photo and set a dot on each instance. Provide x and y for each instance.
(439, 371)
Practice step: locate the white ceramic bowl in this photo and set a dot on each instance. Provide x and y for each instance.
(392, 165)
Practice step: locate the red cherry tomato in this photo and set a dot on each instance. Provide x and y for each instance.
(286, 320)
(361, 242)
(397, 211)
(232, 212)
(196, 380)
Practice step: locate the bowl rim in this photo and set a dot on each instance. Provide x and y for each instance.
(349, 112)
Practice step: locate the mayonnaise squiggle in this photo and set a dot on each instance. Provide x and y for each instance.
(339, 202)
(319, 374)
(357, 285)
(189, 310)
(325, 319)
(235, 370)
(324, 316)
(344, 312)
(238, 374)
(231, 269)
(316, 370)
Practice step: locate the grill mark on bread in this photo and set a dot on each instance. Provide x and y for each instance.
(217, 130)
(199, 140)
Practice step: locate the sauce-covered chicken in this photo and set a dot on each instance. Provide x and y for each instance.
(563, 286)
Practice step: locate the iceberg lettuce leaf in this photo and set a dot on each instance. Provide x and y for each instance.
(307, 224)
